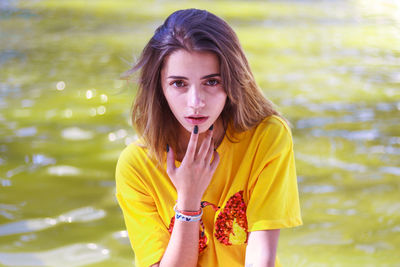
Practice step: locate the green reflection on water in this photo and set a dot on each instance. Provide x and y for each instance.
(331, 67)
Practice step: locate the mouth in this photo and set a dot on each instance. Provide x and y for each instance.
(196, 119)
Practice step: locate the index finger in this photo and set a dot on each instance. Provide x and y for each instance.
(191, 148)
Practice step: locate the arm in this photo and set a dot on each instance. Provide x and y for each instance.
(273, 195)
(182, 248)
(190, 180)
(261, 248)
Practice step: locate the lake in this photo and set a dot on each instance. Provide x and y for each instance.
(331, 67)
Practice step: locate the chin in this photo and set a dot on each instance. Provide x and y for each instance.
(202, 128)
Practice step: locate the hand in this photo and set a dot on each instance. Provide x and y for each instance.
(194, 174)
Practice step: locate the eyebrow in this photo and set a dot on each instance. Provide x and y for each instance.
(185, 78)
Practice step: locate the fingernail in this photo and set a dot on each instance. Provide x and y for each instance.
(167, 148)
(211, 127)
(196, 129)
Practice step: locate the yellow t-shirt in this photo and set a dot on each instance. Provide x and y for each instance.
(253, 188)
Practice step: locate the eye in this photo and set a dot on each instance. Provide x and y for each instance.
(213, 82)
(178, 83)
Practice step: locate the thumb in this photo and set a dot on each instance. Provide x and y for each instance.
(170, 160)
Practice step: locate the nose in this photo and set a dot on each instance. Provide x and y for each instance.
(195, 98)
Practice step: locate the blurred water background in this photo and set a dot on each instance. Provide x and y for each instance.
(332, 67)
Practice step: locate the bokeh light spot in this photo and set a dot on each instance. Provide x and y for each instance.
(103, 98)
(89, 94)
(101, 110)
(68, 113)
(93, 112)
(112, 137)
(60, 85)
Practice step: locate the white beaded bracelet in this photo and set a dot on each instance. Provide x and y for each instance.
(187, 218)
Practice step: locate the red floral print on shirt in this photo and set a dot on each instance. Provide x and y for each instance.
(231, 223)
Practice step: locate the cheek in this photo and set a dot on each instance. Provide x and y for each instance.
(219, 100)
(175, 101)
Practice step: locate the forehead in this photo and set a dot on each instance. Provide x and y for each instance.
(184, 63)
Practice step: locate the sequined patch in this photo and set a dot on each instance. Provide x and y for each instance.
(231, 224)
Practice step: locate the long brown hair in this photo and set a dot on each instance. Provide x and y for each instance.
(194, 30)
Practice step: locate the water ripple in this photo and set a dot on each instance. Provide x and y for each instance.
(389, 209)
(16, 170)
(322, 237)
(372, 248)
(84, 214)
(4, 183)
(391, 170)
(6, 209)
(75, 133)
(378, 150)
(40, 160)
(26, 132)
(122, 237)
(347, 212)
(63, 170)
(318, 189)
(68, 256)
(312, 122)
(331, 162)
(33, 163)
(367, 135)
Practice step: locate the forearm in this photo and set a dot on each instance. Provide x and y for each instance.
(261, 248)
(190, 179)
(183, 246)
(264, 260)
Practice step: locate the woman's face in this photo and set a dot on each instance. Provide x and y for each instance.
(192, 85)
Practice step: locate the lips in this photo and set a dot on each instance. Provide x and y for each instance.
(196, 119)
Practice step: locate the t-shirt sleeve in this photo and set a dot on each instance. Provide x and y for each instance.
(148, 235)
(273, 193)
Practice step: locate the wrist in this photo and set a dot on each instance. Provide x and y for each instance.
(188, 216)
(188, 204)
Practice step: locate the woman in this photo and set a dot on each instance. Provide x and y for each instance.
(212, 178)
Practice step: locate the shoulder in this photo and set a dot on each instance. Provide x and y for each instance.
(131, 160)
(130, 181)
(132, 152)
(273, 134)
(274, 126)
(274, 123)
